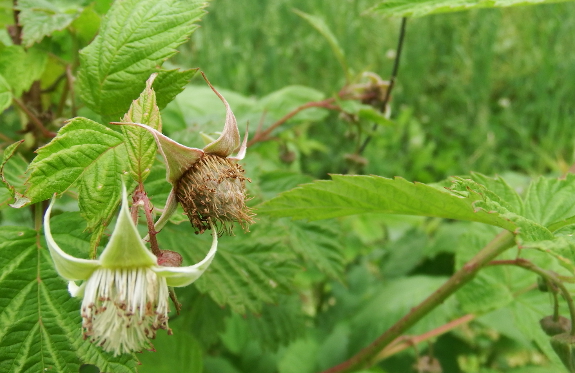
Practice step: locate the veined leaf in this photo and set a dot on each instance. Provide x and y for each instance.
(41, 18)
(546, 200)
(170, 83)
(500, 187)
(349, 195)
(21, 68)
(244, 274)
(13, 182)
(86, 153)
(419, 8)
(40, 324)
(135, 37)
(140, 144)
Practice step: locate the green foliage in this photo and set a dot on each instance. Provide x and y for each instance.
(5, 94)
(20, 68)
(127, 50)
(418, 8)
(40, 321)
(41, 18)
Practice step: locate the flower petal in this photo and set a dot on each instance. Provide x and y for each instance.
(242, 151)
(125, 248)
(183, 276)
(229, 140)
(179, 158)
(69, 267)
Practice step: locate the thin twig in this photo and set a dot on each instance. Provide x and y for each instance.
(70, 81)
(383, 107)
(367, 356)
(34, 119)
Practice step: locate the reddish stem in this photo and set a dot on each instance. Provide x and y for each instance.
(140, 196)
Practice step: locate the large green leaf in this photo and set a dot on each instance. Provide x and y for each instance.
(41, 18)
(135, 37)
(88, 154)
(547, 200)
(245, 272)
(349, 195)
(5, 94)
(39, 322)
(418, 8)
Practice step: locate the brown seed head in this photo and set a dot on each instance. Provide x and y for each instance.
(214, 188)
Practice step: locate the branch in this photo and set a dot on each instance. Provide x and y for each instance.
(368, 356)
(34, 119)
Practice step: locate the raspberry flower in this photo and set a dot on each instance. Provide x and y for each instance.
(208, 183)
(125, 292)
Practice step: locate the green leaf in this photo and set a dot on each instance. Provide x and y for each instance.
(561, 248)
(40, 325)
(5, 94)
(88, 154)
(319, 24)
(419, 8)
(277, 104)
(500, 187)
(349, 195)
(21, 68)
(299, 357)
(8, 153)
(170, 83)
(179, 352)
(140, 144)
(546, 200)
(135, 37)
(245, 272)
(41, 18)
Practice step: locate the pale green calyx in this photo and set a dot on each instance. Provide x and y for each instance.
(125, 292)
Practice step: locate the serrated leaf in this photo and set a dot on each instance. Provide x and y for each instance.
(40, 324)
(21, 68)
(319, 24)
(561, 248)
(140, 144)
(419, 8)
(135, 37)
(5, 94)
(500, 187)
(170, 83)
(41, 18)
(546, 200)
(349, 195)
(244, 274)
(78, 145)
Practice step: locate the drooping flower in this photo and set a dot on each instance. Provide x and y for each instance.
(208, 183)
(125, 291)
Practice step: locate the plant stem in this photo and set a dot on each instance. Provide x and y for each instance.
(368, 355)
(140, 196)
(34, 119)
(549, 275)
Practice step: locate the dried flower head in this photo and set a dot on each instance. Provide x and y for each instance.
(208, 183)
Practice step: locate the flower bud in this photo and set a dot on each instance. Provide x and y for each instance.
(564, 346)
(553, 327)
(214, 189)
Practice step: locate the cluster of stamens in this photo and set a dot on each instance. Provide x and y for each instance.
(214, 189)
(123, 308)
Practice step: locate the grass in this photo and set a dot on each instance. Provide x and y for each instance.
(487, 90)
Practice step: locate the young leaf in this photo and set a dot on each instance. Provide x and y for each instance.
(39, 321)
(349, 195)
(419, 8)
(135, 37)
(244, 274)
(41, 18)
(140, 144)
(170, 83)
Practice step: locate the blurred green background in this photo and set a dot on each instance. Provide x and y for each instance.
(487, 90)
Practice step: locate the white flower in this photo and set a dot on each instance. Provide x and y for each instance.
(125, 291)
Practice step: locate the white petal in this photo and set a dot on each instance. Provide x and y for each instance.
(125, 248)
(69, 267)
(179, 158)
(183, 276)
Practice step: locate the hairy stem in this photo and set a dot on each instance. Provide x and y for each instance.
(548, 275)
(368, 356)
